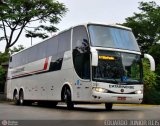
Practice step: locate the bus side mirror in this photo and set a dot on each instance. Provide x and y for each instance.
(94, 57)
(151, 60)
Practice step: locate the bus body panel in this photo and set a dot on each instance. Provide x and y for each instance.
(41, 80)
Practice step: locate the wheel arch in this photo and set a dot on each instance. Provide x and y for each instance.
(15, 91)
(21, 89)
(68, 85)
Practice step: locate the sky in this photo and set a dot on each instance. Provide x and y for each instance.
(82, 11)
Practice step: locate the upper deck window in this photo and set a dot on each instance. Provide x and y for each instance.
(112, 37)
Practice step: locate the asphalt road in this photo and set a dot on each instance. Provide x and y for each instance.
(82, 114)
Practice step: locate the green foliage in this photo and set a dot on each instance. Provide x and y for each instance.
(152, 97)
(145, 24)
(151, 94)
(149, 76)
(2, 72)
(155, 52)
(146, 28)
(2, 78)
(16, 49)
(4, 57)
(18, 15)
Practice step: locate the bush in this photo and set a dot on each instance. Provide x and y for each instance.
(151, 94)
(2, 79)
(154, 51)
(149, 76)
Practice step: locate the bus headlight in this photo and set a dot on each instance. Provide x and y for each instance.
(102, 90)
(139, 92)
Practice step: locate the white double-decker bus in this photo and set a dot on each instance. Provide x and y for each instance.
(89, 63)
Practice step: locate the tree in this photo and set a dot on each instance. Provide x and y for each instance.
(16, 16)
(154, 51)
(3, 59)
(2, 78)
(145, 25)
(151, 94)
(149, 76)
(146, 28)
(16, 49)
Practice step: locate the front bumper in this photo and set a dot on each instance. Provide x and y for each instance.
(116, 98)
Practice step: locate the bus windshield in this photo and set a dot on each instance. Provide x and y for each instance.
(118, 68)
(112, 37)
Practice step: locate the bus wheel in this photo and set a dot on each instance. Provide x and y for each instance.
(15, 98)
(67, 98)
(21, 98)
(108, 106)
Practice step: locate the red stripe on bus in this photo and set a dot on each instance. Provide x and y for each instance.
(37, 71)
(33, 72)
(45, 64)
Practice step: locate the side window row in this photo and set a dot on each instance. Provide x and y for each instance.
(50, 47)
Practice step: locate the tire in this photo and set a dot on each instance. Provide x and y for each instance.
(21, 98)
(15, 98)
(67, 98)
(108, 106)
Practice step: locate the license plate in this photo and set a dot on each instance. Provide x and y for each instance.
(121, 98)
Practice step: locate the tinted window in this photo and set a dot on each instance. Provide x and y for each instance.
(81, 57)
(32, 54)
(118, 67)
(112, 37)
(52, 46)
(41, 51)
(64, 40)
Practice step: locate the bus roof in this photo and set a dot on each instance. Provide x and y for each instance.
(105, 24)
